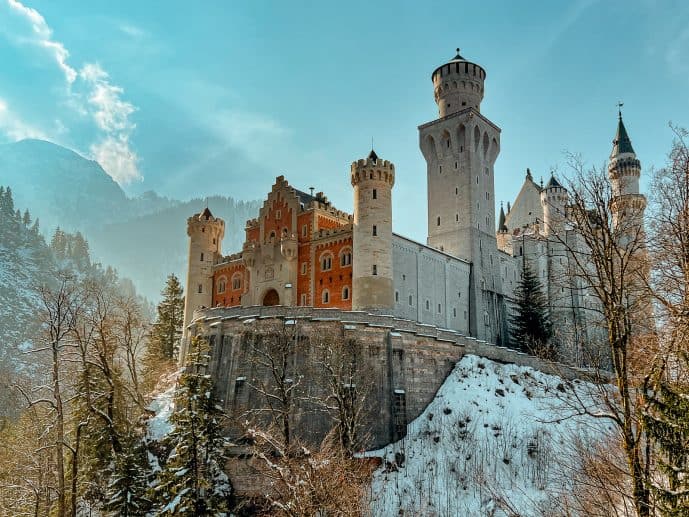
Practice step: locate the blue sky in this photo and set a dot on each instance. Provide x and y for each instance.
(210, 98)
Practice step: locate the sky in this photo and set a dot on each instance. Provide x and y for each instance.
(203, 98)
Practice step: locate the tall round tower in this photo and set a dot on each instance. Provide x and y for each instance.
(624, 170)
(205, 234)
(372, 280)
(554, 199)
(458, 85)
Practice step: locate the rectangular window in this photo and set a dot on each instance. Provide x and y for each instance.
(200, 288)
(303, 299)
(375, 194)
(411, 300)
(440, 308)
(375, 230)
(201, 257)
(399, 417)
(303, 268)
(397, 296)
(375, 270)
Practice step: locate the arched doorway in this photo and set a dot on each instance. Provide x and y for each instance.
(271, 298)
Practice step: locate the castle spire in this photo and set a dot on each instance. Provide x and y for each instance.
(501, 221)
(621, 144)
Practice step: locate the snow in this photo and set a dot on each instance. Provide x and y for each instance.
(162, 405)
(495, 436)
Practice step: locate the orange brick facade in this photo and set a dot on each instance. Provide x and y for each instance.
(323, 262)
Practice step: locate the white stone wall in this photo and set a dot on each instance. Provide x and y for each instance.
(527, 206)
(430, 286)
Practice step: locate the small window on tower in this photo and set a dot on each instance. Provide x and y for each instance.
(438, 220)
(201, 257)
(375, 230)
(303, 299)
(456, 218)
(200, 288)
(375, 194)
(304, 230)
(374, 271)
(213, 241)
(411, 300)
(345, 293)
(397, 296)
(428, 305)
(326, 296)
(440, 169)
(456, 191)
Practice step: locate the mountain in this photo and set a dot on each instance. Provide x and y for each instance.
(144, 237)
(62, 187)
(150, 247)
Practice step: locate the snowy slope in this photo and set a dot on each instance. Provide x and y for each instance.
(495, 437)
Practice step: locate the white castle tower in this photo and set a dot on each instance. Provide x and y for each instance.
(624, 170)
(554, 198)
(460, 149)
(205, 235)
(372, 279)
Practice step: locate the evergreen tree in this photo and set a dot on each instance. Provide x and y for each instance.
(191, 481)
(127, 493)
(530, 323)
(167, 330)
(666, 420)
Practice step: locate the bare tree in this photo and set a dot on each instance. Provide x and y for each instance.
(605, 238)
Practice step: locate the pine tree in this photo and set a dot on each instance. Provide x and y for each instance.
(666, 420)
(127, 493)
(192, 482)
(531, 328)
(167, 330)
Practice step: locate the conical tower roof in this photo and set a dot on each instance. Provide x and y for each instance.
(501, 221)
(621, 144)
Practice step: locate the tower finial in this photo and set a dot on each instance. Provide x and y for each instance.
(619, 109)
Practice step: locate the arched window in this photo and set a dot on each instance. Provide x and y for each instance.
(345, 293)
(326, 296)
(236, 281)
(222, 284)
(326, 261)
(272, 236)
(346, 257)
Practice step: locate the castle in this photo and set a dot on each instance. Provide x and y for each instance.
(302, 252)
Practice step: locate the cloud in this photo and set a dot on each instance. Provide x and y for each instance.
(111, 115)
(15, 128)
(90, 93)
(43, 38)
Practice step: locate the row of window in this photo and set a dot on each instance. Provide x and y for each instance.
(428, 305)
(236, 283)
(325, 295)
(327, 260)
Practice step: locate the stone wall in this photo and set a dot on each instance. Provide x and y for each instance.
(402, 362)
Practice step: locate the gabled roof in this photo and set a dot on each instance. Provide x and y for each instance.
(206, 214)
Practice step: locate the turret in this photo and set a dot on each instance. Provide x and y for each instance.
(458, 85)
(205, 235)
(624, 170)
(372, 279)
(554, 199)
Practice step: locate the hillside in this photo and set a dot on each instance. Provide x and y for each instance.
(63, 187)
(497, 440)
(143, 237)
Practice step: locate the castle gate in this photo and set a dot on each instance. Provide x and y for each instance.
(271, 298)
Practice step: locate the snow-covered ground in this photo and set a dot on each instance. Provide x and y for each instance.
(162, 405)
(495, 441)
